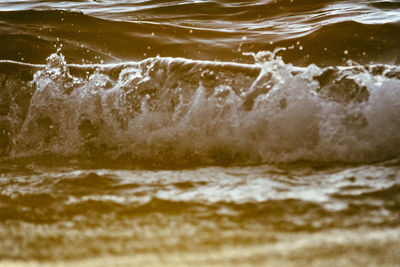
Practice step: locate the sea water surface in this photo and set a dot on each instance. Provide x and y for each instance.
(204, 133)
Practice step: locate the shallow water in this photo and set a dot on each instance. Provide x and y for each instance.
(237, 133)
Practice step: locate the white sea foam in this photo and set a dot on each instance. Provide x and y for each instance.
(175, 110)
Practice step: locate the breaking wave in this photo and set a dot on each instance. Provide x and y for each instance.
(178, 111)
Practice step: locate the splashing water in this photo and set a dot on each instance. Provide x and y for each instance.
(180, 111)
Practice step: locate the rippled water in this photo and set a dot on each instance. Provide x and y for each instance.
(209, 133)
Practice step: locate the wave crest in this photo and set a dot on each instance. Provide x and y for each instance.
(181, 111)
